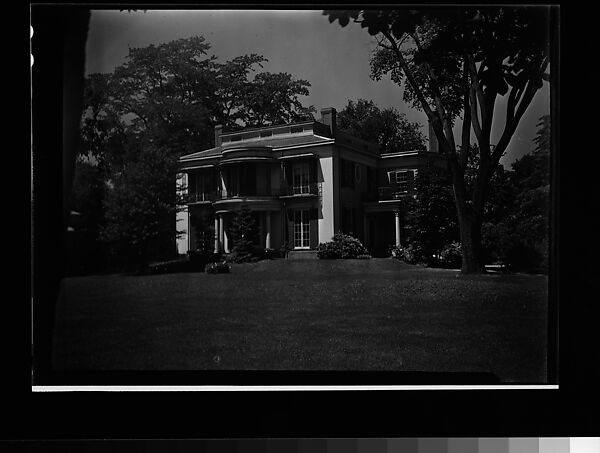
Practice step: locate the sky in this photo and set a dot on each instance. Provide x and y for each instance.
(333, 59)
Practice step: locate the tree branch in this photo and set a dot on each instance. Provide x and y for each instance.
(437, 97)
(466, 127)
(409, 76)
(527, 96)
(475, 112)
(475, 82)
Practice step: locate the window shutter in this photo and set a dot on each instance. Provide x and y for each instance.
(410, 179)
(392, 179)
(312, 171)
(288, 174)
(313, 228)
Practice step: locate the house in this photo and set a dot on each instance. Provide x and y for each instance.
(303, 181)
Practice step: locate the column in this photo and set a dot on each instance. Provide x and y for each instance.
(216, 233)
(220, 231)
(397, 220)
(225, 239)
(268, 229)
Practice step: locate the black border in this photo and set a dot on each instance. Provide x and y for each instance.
(503, 413)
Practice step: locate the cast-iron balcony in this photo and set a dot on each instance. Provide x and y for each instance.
(388, 193)
(310, 189)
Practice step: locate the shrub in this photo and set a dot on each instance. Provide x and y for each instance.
(341, 246)
(349, 246)
(451, 255)
(329, 251)
(244, 231)
(217, 268)
(412, 254)
(364, 256)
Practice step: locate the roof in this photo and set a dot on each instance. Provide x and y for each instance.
(278, 142)
(206, 153)
(282, 136)
(270, 142)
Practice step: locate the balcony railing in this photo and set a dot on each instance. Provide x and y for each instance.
(200, 197)
(226, 195)
(308, 189)
(389, 193)
(285, 191)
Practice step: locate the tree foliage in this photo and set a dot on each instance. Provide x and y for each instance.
(431, 218)
(520, 237)
(88, 252)
(176, 92)
(459, 60)
(163, 102)
(140, 209)
(387, 127)
(244, 232)
(204, 230)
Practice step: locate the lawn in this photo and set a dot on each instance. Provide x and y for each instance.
(377, 314)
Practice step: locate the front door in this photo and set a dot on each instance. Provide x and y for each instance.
(301, 229)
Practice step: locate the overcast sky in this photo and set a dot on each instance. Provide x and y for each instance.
(333, 59)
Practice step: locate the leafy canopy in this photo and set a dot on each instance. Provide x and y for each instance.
(459, 60)
(388, 127)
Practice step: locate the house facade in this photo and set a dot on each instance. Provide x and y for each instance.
(303, 182)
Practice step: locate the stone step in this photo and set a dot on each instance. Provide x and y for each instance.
(302, 255)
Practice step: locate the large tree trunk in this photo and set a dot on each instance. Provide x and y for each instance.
(470, 242)
(470, 223)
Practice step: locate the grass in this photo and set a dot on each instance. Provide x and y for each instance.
(377, 314)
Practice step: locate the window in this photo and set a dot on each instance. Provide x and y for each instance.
(403, 178)
(301, 229)
(300, 178)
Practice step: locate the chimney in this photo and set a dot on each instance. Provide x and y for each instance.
(328, 118)
(433, 142)
(218, 129)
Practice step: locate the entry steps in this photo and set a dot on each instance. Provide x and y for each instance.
(302, 255)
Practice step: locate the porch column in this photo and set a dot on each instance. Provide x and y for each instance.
(268, 230)
(365, 230)
(216, 233)
(220, 231)
(397, 220)
(225, 239)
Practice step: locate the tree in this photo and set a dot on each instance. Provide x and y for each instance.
(163, 102)
(244, 233)
(176, 92)
(431, 218)
(86, 199)
(204, 231)
(140, 207)
(388, 127)
(459, 60)
(518, 237)
(272, 99)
